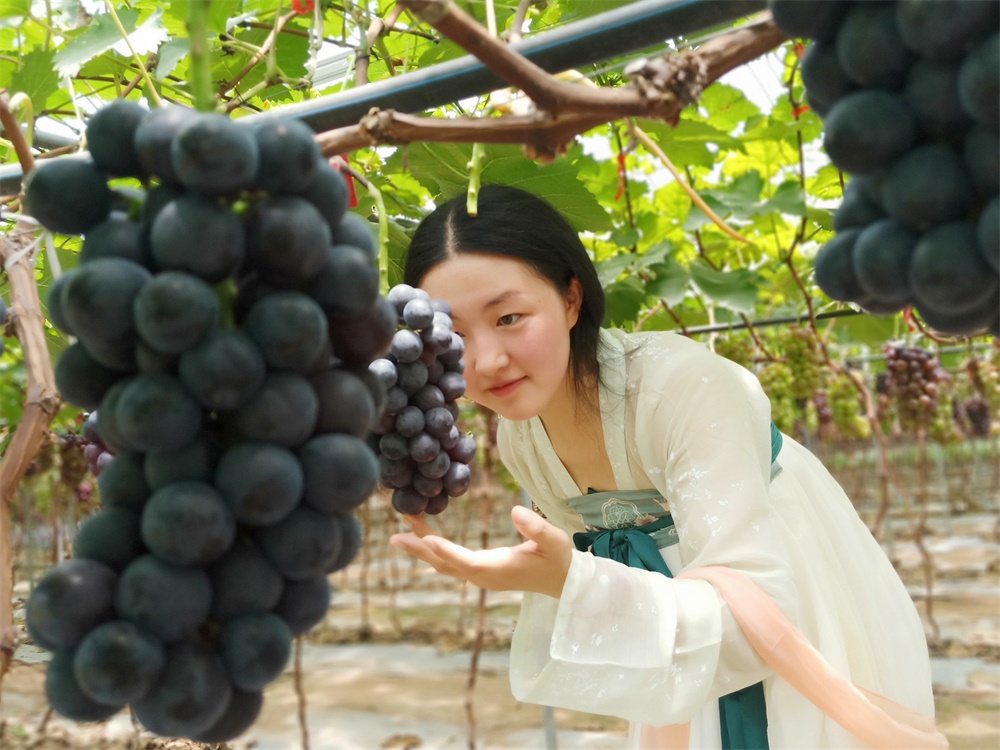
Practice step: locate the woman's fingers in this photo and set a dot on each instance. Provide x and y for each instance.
(418, 525)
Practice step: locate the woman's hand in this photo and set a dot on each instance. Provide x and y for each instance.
(540, 564)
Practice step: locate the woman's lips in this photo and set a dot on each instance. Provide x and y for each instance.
(504, 388)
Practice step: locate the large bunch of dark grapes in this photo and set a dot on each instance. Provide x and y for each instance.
(224, 321)
(423, 456)
(909, 91)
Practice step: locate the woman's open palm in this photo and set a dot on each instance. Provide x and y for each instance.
(539, 564)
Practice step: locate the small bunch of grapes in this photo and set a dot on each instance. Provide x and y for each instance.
(845, 408)
(776, 378)
(914, 380)
(423, 456)
(97, 454)
(979, 410)
(908, 93)
(735, 348)
(225, 315)
(800, 350)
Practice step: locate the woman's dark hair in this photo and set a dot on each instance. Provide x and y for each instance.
(518, 224)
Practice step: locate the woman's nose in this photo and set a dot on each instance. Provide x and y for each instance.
(487, 357)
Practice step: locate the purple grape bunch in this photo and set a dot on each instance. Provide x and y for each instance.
(224, 315)
(423, 455)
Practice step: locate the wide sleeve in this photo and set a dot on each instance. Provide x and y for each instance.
(632, 643)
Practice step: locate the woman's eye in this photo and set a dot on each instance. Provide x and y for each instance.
(509, 319)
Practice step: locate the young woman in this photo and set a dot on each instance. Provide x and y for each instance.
(718, 590)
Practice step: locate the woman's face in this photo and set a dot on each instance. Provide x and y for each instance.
(515, 325)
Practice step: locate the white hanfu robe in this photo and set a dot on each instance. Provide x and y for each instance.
(635, 644)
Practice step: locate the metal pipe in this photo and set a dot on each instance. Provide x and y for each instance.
(632, 27)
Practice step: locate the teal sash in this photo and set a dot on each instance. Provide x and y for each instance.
(616, 534)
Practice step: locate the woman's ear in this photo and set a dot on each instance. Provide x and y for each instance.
(574, 301)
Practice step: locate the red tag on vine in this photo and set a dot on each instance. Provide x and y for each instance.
(621, 175)
(799, 109)
(352, 195)
(302, 6)
(798, 48)
(908, 318)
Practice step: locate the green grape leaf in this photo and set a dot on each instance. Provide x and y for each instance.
(670, 283)
(623, 300)
(609, 269)
(789, 198)
(102, 34)
(14, 8)
(36, 77)
(170, 53)
(736, 290)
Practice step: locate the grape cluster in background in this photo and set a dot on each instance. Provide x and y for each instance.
(423, 456)
(909, 92)
(224, 318)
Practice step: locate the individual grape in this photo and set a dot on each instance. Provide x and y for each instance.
(195, 462)
(304, 603)
(191, 695)
(350, 542)
(981, 153)
(436, 504)
(284, 411)
(223, 371)
(979, 82)
(347, 282)
(942, 29)
(156, 413)
(457, 479)
(110, 536)
(255, 649)
(289, 328)
(931, 92)
(428, 397)
(327, 191)
(286, 239)
(70, 599)
(400, 295)
(188, 523)
(988, 233)
(97, 304)
(834, 267)
(436, 338)
(385, 371)
(948, 273)
(454, 352)
(67, 195)
(867, 130)
(396, 400)
(243, 582)
(428, 486)
(881, 259)
(450, 439)
(123, 482)
(418, 314)
(212, 155)
(395, 469)
(358, 339)
(116, 237)
(857, 209)
(198, 236)
(81, 379)
(438, 422)
(412, 376)
(824, 78)
(153, 139)
(110, 133)
(174, 311)
(64, 693)
(406, 346)
(410, 421)
(288, 156)
(339, 472)
(424, 447)
(928, 186)
(345, 403)
(437, 467)
(241, 711)
(167, 601)
(301, 545)
(261, 482)
(356, 231)
(394, 446)
(452, 385)
(408, 501)
(465, 451)
(117, 663)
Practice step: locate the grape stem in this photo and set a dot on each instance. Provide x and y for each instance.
(475, 165)
(151, 91)
(201, 66)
